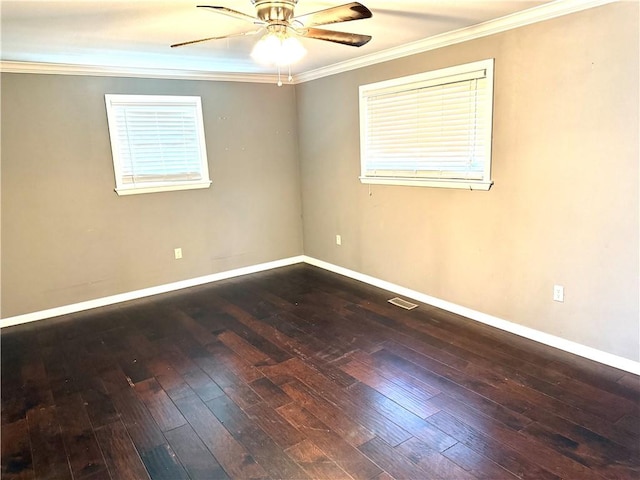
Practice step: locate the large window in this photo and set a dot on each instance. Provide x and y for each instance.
(157, 143)
(431, 129)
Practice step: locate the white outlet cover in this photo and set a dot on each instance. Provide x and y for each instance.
(558, 293)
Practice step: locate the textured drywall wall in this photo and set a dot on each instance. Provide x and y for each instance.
(68, 237)
(564, 207)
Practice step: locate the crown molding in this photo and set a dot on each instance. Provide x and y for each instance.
(537, 14)
(137, 72)
(523, 18)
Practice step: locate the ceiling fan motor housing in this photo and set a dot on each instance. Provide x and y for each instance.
(275, 12)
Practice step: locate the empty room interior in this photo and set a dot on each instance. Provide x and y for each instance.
(228, 315)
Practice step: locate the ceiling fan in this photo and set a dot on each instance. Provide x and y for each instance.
(277, 17)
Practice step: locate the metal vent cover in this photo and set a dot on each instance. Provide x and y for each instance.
(399, 302)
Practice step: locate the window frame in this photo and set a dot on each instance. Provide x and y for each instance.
(423, 81)
(122, 188)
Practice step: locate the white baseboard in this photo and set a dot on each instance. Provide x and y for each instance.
(526, 332)
(146, 292)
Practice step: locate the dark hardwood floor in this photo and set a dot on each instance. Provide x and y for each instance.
(298, 373)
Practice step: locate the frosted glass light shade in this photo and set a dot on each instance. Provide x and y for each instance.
(277, 48)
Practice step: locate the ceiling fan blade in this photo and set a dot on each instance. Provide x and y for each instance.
(341, 13)
(191, 42)
(233, 13)
(351, 39)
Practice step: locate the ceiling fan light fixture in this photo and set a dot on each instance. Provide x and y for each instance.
(278, 48)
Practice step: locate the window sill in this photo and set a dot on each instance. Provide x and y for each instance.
(136, 190)
(429, 182)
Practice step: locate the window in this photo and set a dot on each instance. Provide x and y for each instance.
(157, 143)
(431, 129)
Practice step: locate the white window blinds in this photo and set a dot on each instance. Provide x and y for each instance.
(429, 129)
(157, 143)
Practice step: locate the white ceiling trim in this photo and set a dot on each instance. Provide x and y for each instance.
(519, 19)
(516, 20)
(104, 71)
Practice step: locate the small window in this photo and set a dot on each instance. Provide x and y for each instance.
(431, 129)
(157, 143)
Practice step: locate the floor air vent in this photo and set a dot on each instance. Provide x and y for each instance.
(398, 302)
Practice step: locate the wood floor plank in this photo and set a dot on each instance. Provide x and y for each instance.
(162, 409)
(629, 381)
(230, 318)
(59, 376)
(198, 461)
(234, 458)
(369, 418)
(139, 423)
(135, 370)
(309, 346)
(478, 393)
(629, 440)
(47, 448)
(341, 423)
(478, 384)
(200, 333)
(119, 452)
(526, 445)
(347, 457)
(233, 362)
(83, 451)
(283, 345)
(478, 465)
(416, 404)
(178, 359)
(606, 460)
(274, 425)
(163, 464)
(265, 451)
(406, 420)
(244, 349)
(503, 455)
(432, 461)
(11, 390)
(175, 383)
(412, 377)
(203, 385)
(630, 423)
(271, 393)
(229, 382)
(605, 447)
(339, 335)
(315, 462)
(252, 304)
(16, 452)
(393, 462)
(168, 378)
(99, 405)
(36, 388)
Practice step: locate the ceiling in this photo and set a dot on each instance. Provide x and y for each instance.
(137, 34)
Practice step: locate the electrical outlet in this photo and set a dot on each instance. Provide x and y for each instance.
(177, 252)
(558, 293)
(338, 240)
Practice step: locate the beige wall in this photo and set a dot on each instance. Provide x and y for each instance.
(564, 207)
(67, 237)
